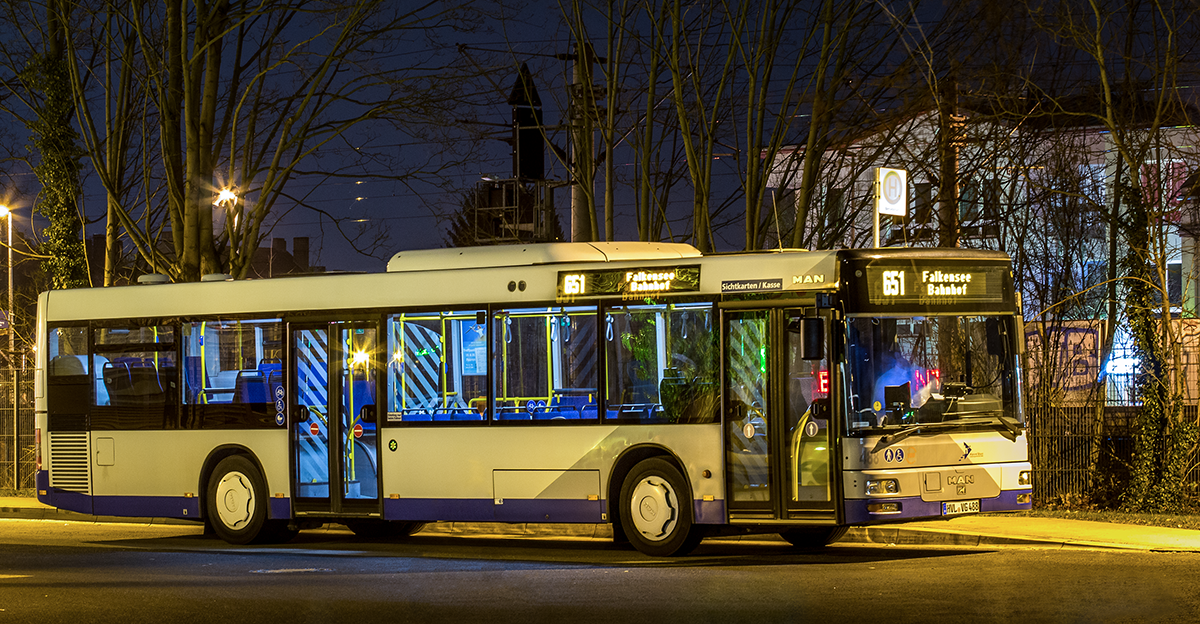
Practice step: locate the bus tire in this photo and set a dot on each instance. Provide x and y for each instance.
(383, 529)
(813, 537)
(237, 502)
(656, 510)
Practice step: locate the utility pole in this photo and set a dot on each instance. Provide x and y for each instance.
(948, 142)
(583, 149)
(949, 127)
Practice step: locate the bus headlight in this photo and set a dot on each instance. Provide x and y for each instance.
(1025, 477)
(882, 486)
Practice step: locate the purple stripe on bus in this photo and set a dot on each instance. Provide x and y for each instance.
(709, 512)
(521, 510)
(41, 481)
(433, 509)
(280, 509)
(71, 501)
(912, 507)
(1007, 501)
(548, 510)
(147, 506)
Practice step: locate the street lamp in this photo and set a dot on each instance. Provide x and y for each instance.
(5, 211)
(227, 198)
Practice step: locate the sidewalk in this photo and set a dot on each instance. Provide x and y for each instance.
(973, 530)
(1013, 530)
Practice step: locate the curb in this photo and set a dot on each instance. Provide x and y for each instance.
(894, 535)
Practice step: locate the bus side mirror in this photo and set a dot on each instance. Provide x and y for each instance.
(812, 338)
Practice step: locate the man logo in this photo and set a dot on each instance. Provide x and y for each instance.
(808, 279)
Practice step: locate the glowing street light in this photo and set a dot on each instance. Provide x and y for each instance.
(226, 195)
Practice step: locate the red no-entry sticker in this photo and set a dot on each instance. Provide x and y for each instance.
(314, 429)
(358, 431)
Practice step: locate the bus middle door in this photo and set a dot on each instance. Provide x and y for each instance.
(334, 427)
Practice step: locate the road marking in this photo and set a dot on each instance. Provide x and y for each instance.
(291, 570)
(11, 576)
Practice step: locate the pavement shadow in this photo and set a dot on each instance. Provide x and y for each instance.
(589, 552)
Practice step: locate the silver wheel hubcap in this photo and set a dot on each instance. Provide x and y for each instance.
(655, 508)
(235, 500)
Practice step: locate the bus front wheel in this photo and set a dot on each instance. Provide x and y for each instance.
(656, 510)
(237, 503)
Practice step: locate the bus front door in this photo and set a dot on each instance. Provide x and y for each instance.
(333, 432)
(777, 420)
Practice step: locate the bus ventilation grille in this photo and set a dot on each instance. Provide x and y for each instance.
(69, 461)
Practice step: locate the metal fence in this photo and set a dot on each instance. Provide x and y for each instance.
(17, 452)
(1071, 446)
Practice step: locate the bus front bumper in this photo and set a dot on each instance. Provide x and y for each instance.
(875, 510)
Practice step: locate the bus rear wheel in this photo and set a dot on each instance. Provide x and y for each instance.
(237, 504)
(656, 510)
(814, 537)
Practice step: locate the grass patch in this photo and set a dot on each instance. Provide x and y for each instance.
(27, 492)
(1174, 521)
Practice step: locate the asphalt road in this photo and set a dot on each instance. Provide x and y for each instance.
(75, 572)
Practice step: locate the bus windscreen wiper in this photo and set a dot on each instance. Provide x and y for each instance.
(889, 440)
(1011, 428)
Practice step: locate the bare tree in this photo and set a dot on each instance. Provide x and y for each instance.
(176, 102)
(1127, 61)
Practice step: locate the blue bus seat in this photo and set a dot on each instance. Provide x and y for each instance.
(251, 387)
(416, 415)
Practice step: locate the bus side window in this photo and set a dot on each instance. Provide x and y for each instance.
(545, 364)
(136, 378)
(67, 370)
(437, 367)
(232, 371)
(661, 363)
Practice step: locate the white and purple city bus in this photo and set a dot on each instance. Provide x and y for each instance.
(672, 394)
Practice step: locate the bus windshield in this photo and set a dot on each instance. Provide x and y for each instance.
(904, 371)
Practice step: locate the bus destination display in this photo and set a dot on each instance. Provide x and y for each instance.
(629, 283)
(933, 285)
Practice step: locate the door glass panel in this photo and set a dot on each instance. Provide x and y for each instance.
(807, 413)
(312, 418)
(747, 360)
(360, 357)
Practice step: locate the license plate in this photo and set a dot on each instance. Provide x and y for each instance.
(953, 508)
